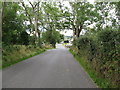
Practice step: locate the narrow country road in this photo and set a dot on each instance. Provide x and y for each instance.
(54, 68)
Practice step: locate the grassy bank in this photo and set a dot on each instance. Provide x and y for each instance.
(17, 53)
(101, 82)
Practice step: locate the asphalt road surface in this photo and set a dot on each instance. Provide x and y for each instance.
(54, 68)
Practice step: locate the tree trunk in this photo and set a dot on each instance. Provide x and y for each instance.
(37, 35)
(2, 10)
(29, 18)
(39, 41)
(79, 30)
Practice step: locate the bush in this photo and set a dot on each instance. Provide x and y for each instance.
(103, 52)
(83, 42)
(87, 45)
(109, 41)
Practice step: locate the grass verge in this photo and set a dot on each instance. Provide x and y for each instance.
(21, 59)
(100, 82)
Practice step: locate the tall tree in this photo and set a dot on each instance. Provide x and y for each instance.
(33, 13)
(12, 24)
(83, 15)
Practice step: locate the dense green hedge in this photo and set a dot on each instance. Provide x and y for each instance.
(103, 52)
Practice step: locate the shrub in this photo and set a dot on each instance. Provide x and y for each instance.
(103, 52)
(87, 45)
(83, 42)
(109, 41)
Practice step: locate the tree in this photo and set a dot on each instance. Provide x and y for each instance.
(51, 39)
(12, 23)
(83, 14)
(32, 14)
(108, 15)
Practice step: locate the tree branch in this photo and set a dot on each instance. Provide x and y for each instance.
(27, 12)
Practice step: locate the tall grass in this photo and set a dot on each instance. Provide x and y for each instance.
(16, 53)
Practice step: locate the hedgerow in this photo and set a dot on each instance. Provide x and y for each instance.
(103, 52)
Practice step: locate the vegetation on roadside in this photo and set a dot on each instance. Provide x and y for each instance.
(52, 37)
(29, 28)
(100, 82)
(16, 53)
(22, 31)
(99, 55)
(96, 40)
